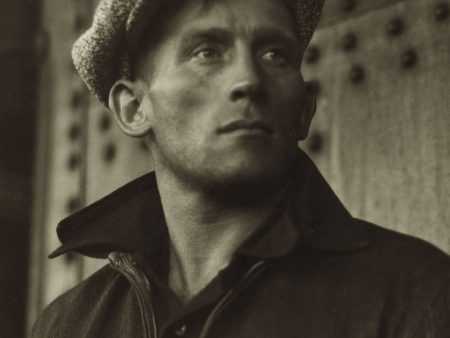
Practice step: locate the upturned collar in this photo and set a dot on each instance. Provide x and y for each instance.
(131, 219)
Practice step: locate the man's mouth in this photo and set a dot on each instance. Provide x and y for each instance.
(246, 125)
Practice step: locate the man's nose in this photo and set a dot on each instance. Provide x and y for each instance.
(246, 79)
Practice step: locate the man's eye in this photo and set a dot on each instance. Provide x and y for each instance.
(275, 56)
(207, 54)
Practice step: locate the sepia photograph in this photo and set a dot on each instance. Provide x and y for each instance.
(225, 169)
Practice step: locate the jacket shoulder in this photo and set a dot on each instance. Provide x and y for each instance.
(413, 267)
(402, 248)
(418, 275)
(75, 306)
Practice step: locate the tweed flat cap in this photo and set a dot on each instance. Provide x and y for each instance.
(103, 54)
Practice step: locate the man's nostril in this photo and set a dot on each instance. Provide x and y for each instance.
(246, 90)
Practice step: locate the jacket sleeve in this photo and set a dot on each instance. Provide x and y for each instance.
(49, 324)
(436, 321)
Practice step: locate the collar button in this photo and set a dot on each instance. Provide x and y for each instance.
(181, 331)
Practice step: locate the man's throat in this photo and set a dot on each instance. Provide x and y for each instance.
(187, 280)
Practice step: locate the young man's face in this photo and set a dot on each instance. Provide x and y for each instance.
(224, 93)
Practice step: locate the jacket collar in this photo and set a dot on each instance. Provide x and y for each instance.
(131, 219)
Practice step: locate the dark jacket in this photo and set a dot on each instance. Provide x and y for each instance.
(316, 273)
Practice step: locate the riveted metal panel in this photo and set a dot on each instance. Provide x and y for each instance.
(61, 151)
(113, 159)
(343, 10)
(383, 116)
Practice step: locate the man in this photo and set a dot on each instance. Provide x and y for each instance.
(235, 234)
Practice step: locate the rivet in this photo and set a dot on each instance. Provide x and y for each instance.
(70, 257)
(441, 11)
(73, 162)
(109, 153)
(41, 43)
(313, 87)
(73, 204)
(181, 331)
(357, 74)
(395, 27)
(74, 132)
(315, 143)
(79, 23)
(312, 54)
(409, 59)
(143, 146)
(348, 5)
(76, 100)
(349, 41)
(105, 122)
(72, 67)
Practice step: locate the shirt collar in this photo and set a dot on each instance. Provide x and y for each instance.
(131, 219)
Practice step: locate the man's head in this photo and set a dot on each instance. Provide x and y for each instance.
(217, 89)
(103, 53)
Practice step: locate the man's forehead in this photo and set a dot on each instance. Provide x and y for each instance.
(218, 18)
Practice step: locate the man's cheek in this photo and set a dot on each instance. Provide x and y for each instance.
(289, 116)
(189, 91)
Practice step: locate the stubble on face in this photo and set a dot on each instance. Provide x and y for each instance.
(202, 58)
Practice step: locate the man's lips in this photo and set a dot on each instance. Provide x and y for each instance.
(245, 125)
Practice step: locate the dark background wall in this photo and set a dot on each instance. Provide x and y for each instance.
(18, 62)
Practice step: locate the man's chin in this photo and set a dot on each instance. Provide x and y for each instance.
(234, 171)
(247, 178)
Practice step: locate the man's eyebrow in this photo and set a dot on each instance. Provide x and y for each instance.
(261, 36)
(270, 35)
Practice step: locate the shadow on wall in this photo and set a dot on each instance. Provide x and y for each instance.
(18, 88)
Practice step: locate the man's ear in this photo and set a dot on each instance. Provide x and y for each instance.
(125, 102)
(307, 114)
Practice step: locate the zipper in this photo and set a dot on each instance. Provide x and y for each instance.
(249, 277)
(124, 264)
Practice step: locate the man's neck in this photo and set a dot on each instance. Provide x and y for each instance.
(205, 232)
